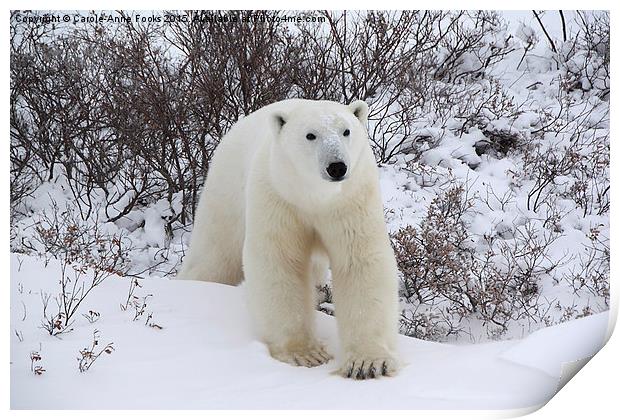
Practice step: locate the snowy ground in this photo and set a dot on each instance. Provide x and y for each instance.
(206, 357)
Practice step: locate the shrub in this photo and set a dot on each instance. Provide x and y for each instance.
(87, 257)
(446, 283)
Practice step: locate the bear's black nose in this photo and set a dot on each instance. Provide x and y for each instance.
(337, 170)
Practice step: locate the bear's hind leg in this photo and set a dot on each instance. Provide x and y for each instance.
(216, 244)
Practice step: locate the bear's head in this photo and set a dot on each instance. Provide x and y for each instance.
(321, 142)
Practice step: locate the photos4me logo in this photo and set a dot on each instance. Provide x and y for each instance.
(205, 17)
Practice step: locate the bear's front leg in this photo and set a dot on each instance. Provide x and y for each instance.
(281, 294)
(365, 292)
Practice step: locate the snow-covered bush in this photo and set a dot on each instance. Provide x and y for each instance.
(436, 263)
(448, 285)
(447, 282)
(139, 109)
(585, 57)
(87, 257)
(590, 276)
(89, 355)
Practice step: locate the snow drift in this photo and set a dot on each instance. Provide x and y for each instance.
(206, 357)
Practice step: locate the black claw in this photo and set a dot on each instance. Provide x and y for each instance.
(350, 372)
(360, 372)
(371, 371)
(384, 369)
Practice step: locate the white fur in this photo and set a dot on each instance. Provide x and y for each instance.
(269, 208)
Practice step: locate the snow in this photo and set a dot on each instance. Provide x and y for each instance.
(566, 342)
(206, 356)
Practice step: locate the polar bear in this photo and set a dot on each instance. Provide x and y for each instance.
(292, 191)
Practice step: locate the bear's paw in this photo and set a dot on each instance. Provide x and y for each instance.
(308, 356)
(360, 367)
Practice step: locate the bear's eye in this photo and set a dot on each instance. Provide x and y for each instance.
(310, 136)
(346, 133)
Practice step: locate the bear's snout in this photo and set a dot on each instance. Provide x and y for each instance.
(337, 170)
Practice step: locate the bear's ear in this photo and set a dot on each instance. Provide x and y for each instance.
(359, 108)
(279, 119)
